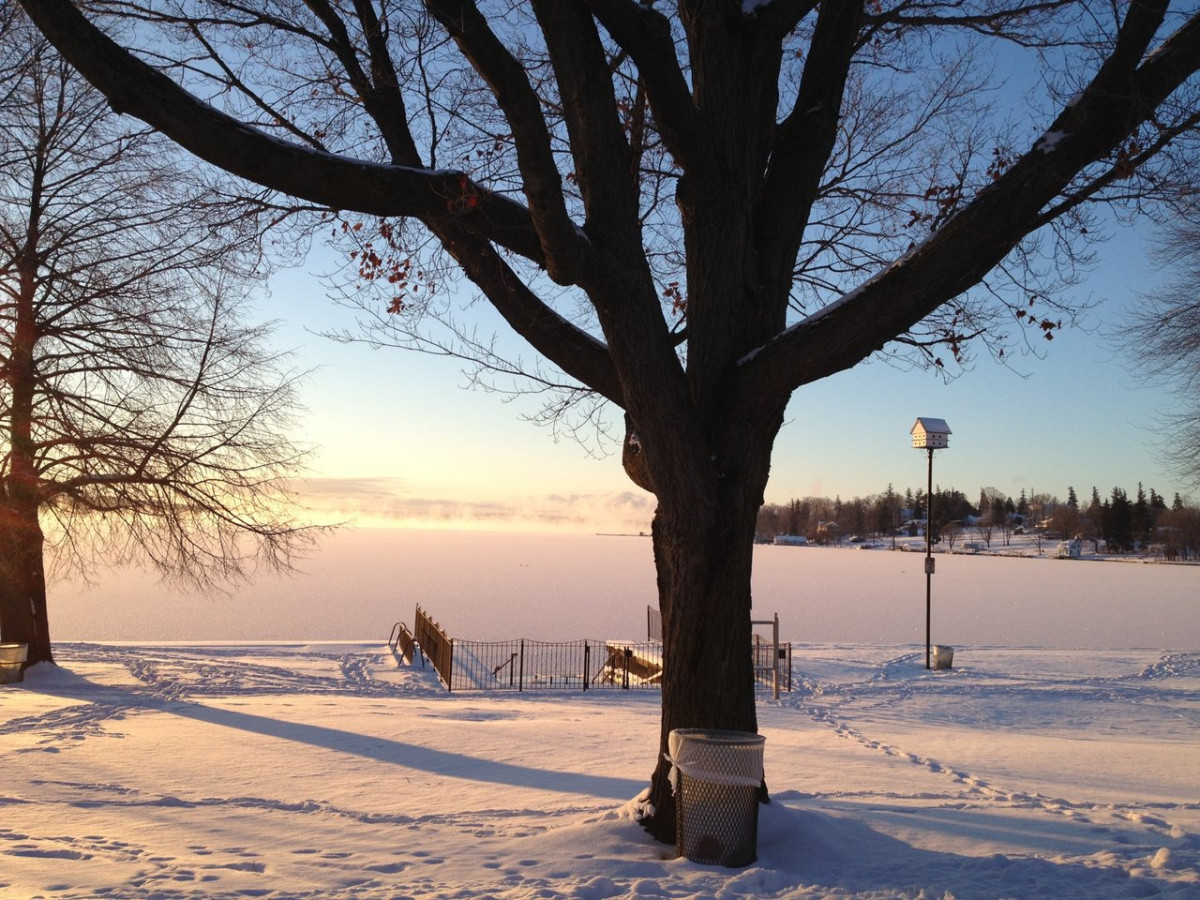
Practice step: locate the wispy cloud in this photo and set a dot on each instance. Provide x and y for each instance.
(383, 501)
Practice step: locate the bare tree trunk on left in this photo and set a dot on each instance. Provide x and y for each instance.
(23, 616)
(23, 585)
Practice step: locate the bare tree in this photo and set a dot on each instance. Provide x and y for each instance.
(1163, 339)
(689, 209)
(951, 532)
(141, 416)
(985, 527)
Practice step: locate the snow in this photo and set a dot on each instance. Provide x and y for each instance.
(1049, 141)
(327, 770)
(1038, 766)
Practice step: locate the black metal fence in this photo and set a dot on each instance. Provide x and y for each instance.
(520, 665)
(583, 665)
(764, 665)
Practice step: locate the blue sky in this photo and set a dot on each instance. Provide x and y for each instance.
(402, 443)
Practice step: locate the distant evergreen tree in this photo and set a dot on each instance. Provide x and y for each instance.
(1095, 516)
(853, 517)
(1118, 522)
(1143, 522)
(917, 506)
(1072, 500)
(794, 524)
(885, 512)
(997, 510)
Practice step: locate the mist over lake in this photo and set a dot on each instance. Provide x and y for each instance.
(492, 586)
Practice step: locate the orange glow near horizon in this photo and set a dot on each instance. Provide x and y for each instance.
(393, 503)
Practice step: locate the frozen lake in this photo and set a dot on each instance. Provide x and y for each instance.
(485, 586)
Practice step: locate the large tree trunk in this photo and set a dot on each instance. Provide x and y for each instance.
(23, 616)
(704, 557)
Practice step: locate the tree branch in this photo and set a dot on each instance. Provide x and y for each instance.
(339, 182)
(976, 238)
(465, 216)
(570, 348)
(598, 144)
(646, 36)
(804, 142)
(565, 247)
(380, 91)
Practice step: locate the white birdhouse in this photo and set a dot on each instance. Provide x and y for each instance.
(930, 434)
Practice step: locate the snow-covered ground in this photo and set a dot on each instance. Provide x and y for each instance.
(282, 753)
(327, 771)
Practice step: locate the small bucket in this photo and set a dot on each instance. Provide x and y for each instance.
(943, 657)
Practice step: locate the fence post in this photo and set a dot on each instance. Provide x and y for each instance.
(587, 656)
(450, 668)
(521, 675)
(775, 655)
(625, 674)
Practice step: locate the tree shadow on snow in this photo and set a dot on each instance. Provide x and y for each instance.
(109, 701)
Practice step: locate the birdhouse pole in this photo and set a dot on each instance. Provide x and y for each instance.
(929, 435)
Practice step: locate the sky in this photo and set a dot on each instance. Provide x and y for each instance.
(400, 442)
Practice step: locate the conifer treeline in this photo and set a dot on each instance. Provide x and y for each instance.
(1122, 524)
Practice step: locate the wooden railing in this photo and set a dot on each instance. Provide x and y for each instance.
(437, 646)
(402, 642)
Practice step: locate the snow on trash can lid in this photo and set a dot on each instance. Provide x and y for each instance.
(715, 756)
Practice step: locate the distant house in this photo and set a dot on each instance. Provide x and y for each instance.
(827, 532)
(1071, 549)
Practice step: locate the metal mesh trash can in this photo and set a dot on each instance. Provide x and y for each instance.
(12, 659)
(716, 776)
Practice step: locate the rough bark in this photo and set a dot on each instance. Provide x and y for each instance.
(23, 617)
(704, 558)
